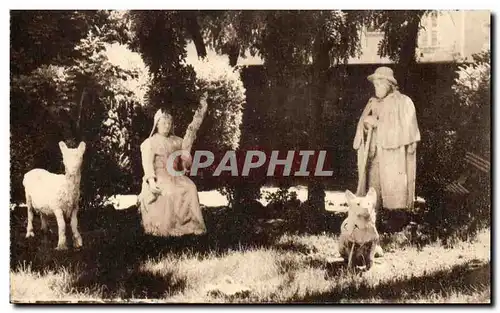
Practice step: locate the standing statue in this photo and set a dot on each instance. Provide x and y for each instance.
(386, 141)
(169, 202)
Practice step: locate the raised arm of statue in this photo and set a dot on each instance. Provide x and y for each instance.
(199, 115)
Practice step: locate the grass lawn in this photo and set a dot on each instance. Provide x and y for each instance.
(242, 259)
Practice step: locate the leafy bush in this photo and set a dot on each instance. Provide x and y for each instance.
(281, 196)
(40, 116)
(221, 129)
(108, 115)
(452, 215)
(105, 119)
(472, 91)
(472, 86)
(227, 98)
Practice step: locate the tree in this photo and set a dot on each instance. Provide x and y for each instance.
(41, 37)
(400, 28)
(161, 38)
(293, 44)
(65, 93)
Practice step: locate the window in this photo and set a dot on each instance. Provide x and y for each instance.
(434, 39)
(434, 19)
(422, 39)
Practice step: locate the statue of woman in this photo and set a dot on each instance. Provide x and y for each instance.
(169, 203)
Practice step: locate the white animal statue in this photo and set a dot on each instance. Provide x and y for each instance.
(359, 237)
(56, 194)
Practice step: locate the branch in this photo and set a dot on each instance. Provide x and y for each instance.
(194, 29)
(233, 53)
(80, 112)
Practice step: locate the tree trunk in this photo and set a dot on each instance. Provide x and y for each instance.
(321, 65)
(407, 57)
(194, 29)
(233, 53)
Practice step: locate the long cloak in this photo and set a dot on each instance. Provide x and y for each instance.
(397, 127)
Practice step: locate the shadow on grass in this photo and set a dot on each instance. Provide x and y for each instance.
(109, 261)
(334, 268)
(131, 283)
(295, 247)
(462, 277)
(115, 247)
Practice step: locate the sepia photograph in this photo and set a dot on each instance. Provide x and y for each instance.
(250, 156)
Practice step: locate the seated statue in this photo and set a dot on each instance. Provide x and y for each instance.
(169, 203)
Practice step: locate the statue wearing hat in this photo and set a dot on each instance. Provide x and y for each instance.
(386, 139)
(169, 203)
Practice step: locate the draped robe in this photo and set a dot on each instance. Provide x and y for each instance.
(176, 211)
(391, 167)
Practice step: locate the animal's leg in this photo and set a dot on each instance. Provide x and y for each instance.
(352, 256)
(29, 227)
(61, 225)
(43, 223)
(370, 255)
(77, 238)
(343, 247)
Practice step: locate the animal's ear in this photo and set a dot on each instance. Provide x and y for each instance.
(81, 147)
(349, 196)
(62, 146)
(372, 195)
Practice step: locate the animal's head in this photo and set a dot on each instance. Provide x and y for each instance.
(72, 158)
(362, 208)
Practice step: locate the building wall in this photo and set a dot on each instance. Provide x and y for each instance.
(446, 36)
(441, 37)
(453, 35)
(369, 41)
(477, 30)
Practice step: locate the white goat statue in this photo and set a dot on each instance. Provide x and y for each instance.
(56, 194)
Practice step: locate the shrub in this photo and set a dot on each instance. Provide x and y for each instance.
(221, 130)
(451, 215)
